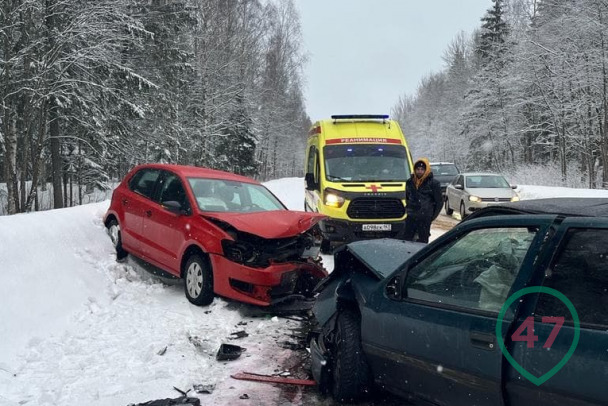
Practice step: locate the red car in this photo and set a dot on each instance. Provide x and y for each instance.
(223, 233)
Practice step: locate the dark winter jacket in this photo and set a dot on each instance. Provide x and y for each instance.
(425, 201)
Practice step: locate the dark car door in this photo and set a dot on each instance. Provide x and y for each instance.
(166, 230)
(437, 340)
(134, 204)
(578, 270)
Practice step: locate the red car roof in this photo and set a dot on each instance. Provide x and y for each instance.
(195, 171)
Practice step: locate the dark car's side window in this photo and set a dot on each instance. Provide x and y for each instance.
(144, 181)
(172, 190)
(580, 272)
(474, 271)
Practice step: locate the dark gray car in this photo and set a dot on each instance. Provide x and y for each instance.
(444, 322)
(444, 172)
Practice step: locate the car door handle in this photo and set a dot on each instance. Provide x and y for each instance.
(149, 213)
(483, 340)
(125, 201)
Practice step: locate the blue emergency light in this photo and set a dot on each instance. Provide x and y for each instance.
(359, 116)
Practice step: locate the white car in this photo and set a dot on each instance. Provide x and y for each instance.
(471, 191)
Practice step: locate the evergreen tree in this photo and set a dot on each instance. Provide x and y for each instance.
(90, 88)
(494, 32)
(236, 149)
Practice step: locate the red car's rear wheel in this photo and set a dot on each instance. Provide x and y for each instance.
(114, 231)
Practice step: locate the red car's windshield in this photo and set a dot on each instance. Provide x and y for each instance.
(218, 195)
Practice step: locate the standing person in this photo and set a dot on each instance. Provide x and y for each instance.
(423, 200)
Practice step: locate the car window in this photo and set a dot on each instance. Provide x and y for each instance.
(310, 166)
(580, 272)
(444, 169)
(171, 189)
(263, 199)
(144, 181)
(366, 162)
(474, 271)
(487, 181)
(232, 196)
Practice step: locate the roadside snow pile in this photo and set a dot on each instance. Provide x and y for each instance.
(529, 192)
(79, 328)
(51, 266)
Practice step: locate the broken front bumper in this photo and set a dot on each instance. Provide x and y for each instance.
(264, 286)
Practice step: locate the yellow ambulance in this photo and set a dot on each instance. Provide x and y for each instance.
(356, 169)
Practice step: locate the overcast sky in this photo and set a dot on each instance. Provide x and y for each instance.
(364, 54)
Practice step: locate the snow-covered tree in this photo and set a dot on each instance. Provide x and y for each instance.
(535, 92)
(91, 88)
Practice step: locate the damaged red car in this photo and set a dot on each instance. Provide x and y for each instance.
(222, 233)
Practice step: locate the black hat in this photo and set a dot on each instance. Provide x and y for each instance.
(420, 164)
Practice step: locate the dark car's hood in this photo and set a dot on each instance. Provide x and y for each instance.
(270, 224)
(383, 256)
(380, 258)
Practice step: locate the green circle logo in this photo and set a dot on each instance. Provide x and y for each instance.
(577, 332)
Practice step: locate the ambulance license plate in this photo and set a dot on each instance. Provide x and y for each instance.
(376, 227)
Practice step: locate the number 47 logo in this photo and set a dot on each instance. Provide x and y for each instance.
(530, 338)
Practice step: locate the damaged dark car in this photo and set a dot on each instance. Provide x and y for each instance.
(224, 234)
(449, 323)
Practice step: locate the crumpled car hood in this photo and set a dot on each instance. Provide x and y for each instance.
(270, 224)
(383, 256)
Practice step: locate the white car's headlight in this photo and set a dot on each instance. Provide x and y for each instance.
(515, 198)
(474, 199)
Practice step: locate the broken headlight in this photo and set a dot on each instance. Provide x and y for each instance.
(238, 251)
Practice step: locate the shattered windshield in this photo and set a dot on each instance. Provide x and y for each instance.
(475, 271)
(366, 163)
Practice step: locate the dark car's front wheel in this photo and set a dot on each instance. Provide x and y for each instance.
(198, 282)
(114, 232)
(351, 374)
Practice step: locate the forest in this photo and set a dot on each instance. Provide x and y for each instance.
(526, 94)
(91, 88)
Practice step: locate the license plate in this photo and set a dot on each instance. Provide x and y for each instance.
(376, 227)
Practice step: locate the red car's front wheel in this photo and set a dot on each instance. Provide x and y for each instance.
(198, 281)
